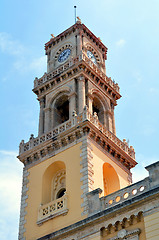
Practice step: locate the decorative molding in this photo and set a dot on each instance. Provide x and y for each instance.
(72, 130)
(129, 235)
(67, 45)
(59, 182)
(71, 69)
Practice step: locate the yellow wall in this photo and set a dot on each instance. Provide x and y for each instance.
(71, 159)
(152, 226)
(99, 158)
(39, 188)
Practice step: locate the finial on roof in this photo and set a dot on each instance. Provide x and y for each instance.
(78, 20)
(52, 35)
(99, 39)
(75, 12)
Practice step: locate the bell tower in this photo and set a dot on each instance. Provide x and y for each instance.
(77, 149)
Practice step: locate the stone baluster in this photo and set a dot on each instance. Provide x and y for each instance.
(21, 147)
(41, 116)
(132, 152)
(35, 82)
(125, 145)
(31, 141)
(74, 118)
(45, 77)
(81, 94)
(85, 113)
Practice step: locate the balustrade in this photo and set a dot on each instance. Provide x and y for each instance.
(124, 194)
(52, 209)
(48, 76)
(76, 119)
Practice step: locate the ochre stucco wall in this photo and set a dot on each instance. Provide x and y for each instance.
(152, 226)
(71, 159)
(99, 158)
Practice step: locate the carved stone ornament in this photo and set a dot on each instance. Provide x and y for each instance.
(59, 182)
(122, 233)
(129, 235)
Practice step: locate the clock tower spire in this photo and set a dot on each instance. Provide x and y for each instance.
(76, 150)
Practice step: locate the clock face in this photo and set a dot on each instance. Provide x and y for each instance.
(91, 56)
(64, 55)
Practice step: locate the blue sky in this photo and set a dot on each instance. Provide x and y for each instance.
(130, 31)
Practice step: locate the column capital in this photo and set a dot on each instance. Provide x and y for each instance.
(109, 112)
(47, 109)
(73, 93)
(90, 96)
(81, 78)
(42, 102)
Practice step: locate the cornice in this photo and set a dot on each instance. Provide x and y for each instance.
(81, 66)
(62, 137)
(74, 27)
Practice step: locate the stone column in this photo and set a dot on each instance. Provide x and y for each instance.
(109, 120)
(41, 116)
(72, 99)
(90, 102)
(47, 119)
(72, 104)
(81, 94)
(113, 120)
(79, 42)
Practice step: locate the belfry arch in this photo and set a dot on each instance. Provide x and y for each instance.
(97, 106)
(110, 179)
(60, 109)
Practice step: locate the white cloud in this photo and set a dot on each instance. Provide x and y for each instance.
(121, 43)
(38, 65)
(8, 45)
(10, 192)
(23, 60)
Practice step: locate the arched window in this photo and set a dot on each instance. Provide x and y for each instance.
(98, 108)
(61, 110)
(110, 179)
(54, 182)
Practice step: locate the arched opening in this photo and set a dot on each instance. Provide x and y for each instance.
(98, 108)
(53, 182)
(61, 110)
(60, 193)
(110, 179)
